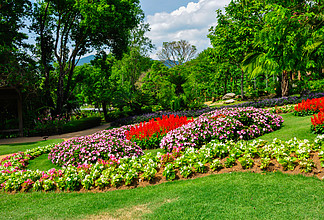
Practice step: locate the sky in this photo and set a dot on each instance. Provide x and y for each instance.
(174, 20)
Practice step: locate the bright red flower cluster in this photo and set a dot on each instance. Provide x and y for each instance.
(151, 132)
(309, 107)
(318, 122)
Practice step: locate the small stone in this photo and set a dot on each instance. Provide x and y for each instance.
(229, 101)
(228, 96)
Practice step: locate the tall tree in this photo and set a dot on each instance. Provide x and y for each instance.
(126, 73)
(232, 37)
(177, 52)
(80, 26)
(13, 59)
(140, 41)
(287, 27)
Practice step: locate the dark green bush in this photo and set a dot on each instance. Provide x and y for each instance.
(82, 124)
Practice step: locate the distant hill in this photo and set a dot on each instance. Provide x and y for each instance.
(91, 57)
(86, 60)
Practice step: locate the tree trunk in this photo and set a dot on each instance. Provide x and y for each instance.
(225, 87)
(242, 84)
(104, 109)
(60, 95)
(285, 83)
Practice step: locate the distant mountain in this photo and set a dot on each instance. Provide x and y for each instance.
(86, 60)
(91, 57)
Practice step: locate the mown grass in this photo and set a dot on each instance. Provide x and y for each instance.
(14, 148)
(293, 126)
(224, 196)
(41, 163)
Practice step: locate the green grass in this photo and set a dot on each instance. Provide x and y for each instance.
(153, 151)
(42, 163)
(293, 126)
(225, 196)
(14, 148)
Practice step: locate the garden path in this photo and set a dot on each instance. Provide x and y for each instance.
(65, 137)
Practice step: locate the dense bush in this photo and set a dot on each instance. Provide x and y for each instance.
(81, 124)
(316, 85)
(52, 126)
(223, 124)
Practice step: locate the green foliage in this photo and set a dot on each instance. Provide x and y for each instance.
(126, 74)
(246, 162)
(216, 165)
(156, 85)
(169, 172)
(316, 85)
(81, 124)
(80, 27)
(229, 162)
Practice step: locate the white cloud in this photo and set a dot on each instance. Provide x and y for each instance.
(189, 23)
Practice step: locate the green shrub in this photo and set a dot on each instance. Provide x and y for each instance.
(82, 124)
(316, 85)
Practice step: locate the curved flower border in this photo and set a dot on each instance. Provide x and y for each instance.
(223, 124)
(116, 172)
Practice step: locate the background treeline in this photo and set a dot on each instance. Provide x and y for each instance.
(259, 47)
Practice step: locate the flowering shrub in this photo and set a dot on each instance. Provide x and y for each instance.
(149, 134)
(223, 124)
(282, 109)
(89, 149)
(49, 125)
(309, 107)
(115, 172)
(318, 123)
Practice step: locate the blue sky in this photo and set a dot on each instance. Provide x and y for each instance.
(151, 7)
(173, 20)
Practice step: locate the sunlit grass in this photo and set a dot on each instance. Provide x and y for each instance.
(14, 148)
(224, 196)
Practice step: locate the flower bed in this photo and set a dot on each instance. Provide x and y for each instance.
(215, 157)
(318, 123)
(149, 134)
(126, 141)
(89, 149)
(223, 124)
(310, 107)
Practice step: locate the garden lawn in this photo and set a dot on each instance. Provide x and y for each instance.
(224, 196)
(293, 126)
(42, 163)
(14, 148)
